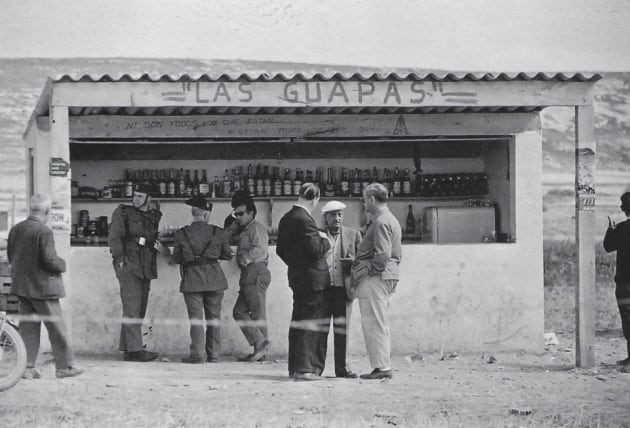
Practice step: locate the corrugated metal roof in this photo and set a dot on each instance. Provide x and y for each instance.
(282, 77)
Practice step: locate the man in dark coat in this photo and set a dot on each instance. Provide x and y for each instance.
(303, 248)
(618, 239)
(36, 279)
(198, 249)
(133, 242)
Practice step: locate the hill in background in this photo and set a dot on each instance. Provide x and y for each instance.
(22, 80)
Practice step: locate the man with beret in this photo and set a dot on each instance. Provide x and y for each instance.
(344, 245)
(133, 242)
(618, 239)
(252, 254)
(198, 248)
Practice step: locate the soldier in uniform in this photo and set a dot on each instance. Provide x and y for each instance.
(198, 249)
(133, 242)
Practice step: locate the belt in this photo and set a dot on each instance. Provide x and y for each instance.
(199, 262)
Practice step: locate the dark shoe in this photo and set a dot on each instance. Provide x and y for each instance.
(348, 374)
(213, 359)
(192, 360)
(246, 358)
(378, 374)
(69, 372)
(307, 376)
(624, 363)
(259, 354)
(291, 375)
(140, 356)
(31, 373)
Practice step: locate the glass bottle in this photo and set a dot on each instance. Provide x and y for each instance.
(226, 190)
(216, 188)
(277, 182)
(410, 226)
(287, 184)
(188, 184)
(236, 182)
(344, 185)
(170, 185)
(128, 184)
(251, 182)
(162, 183)
(329, 190)
(406, 183)
(260, 181)
(356, 182)
(396, 183)
(204, 186)
(266, 182)
(374, 176)
(365, 182)
(297, 182)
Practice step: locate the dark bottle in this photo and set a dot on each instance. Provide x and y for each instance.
(406, 183)
(188, 181)
(195, 183)
(329, 189)
(387, 181)
(251, 182)
(297, 182)
(180, 189)
(226, 186)
(287, 184)
(356, 182)
(375, 176)
(396, 183)
(162, 183)
(309, 176)
(365, 182)
(204, 186)
(411, 221)
(344, 184)
(277, 182)
(260, 181)
(170, 184)
(216, 188)
(128, 185)
(266, 182)
(236, 183)
(319, 182)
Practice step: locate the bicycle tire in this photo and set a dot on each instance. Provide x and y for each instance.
(12, 357)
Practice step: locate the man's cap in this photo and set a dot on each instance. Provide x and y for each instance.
(199, 202)
(625, 201)
(143, 188)
(333, 206)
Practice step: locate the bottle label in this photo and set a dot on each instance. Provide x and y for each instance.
(204, 188)
(288, 188)
(277, 188)
(162, 188)
(267, 188)
(396, 188)
(406, 187)
(171, 188)
(296, 187)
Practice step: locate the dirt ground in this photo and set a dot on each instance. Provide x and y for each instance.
(427, 390)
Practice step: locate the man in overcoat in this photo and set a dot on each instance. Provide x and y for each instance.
(303, 248)
(344, 244)
(198, 249)
(36, 279)
(133, 243)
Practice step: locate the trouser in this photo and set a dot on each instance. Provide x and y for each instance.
(204, 334)
(250, 309)
(623, 303)
(308, 333)
(50, 311)
(374, 295)
(341, 310)
(134, 295)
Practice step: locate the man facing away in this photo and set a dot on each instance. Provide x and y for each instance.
(375, 273)
(36, 279)
(344, 244)
(198, 249)
(618, 239)
(252, 255)
(303, 248)
(133, 242)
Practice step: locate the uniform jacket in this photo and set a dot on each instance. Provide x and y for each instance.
(302, 248)
(35, 266)
(618, 239)
(128, 226)
(210, 243)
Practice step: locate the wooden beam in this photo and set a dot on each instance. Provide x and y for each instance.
(300, 126)
(59, 182)
(584, 236)
(296, 94)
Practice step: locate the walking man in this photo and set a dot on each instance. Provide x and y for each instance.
(198, 249)
(133, 242)
(375, 273)
(303, 248)
(36, 279)
(344, 244)
(618, 239)
(252, 255)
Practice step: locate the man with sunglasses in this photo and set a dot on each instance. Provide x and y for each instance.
(252, 254)
(618, 239)
(133, 242)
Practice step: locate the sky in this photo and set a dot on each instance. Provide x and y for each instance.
(471, 35)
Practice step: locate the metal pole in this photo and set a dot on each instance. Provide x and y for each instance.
(12, 210)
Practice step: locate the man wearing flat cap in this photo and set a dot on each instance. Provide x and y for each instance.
(344, 244)
(133, 242)
(198, 248)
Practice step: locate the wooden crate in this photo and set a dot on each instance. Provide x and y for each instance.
(8, 302)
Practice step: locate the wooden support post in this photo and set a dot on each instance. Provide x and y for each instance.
(584, 236)
(59, 177)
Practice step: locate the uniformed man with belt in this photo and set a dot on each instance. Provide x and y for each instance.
(198, 249)
(133, 242)
(252, 255)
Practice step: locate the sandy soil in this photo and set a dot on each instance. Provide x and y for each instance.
(427, 390)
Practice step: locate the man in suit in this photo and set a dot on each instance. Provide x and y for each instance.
(133, 242)
(303, 248)
(198, 249)
(344, 243)
(375, 273)
(36, 279)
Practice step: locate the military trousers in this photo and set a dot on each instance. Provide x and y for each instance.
(250, 309)
(34, 312)
(204, 313)
(134, 295)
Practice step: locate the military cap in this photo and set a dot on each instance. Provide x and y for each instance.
(199, 202)
(333, 206)
(142, 188)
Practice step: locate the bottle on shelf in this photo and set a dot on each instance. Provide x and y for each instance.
(344, 184)
(195, 183)
(297, 182)
(241, 178)
(374, 176)
(287, 184)
(266, 181)
(216, 188)
(410, 226)
(309, 176)
(260, 181)
(396, 183)
(187, 184)
(365, 182)
(170, 184)
(276, 189)
(163, 183)
(236, 182)
(251, 181)
(128, 184)
(180, 187)
(319, 180)
(204, 186)
(387, 181)
(329, 189)
(406, 183)
(356, 182)
(226, 188)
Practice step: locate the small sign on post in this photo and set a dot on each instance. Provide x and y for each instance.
(59, 167)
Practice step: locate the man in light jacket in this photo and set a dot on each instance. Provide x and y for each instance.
(36, 279)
